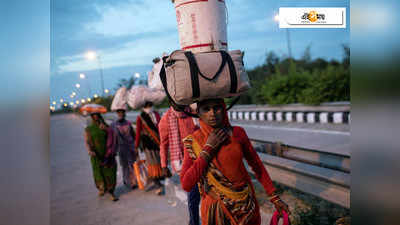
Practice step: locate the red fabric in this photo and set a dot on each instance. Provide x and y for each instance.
(229, 163)
(139, 128)
(171, 140)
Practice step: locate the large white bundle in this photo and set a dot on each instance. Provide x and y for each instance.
(154, 75)
(138, 95)
(156, 96)
(119, 101)
(202, 25)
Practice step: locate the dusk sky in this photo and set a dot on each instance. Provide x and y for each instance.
(128, 34)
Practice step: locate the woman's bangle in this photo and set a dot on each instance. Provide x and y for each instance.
(205, 155)
(209, 145)
(272, 197)
(277, 200)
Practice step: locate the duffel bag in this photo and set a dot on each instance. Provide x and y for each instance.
(188, 77)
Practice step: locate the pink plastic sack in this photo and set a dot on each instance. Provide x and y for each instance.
(119, 101)
(275, 218)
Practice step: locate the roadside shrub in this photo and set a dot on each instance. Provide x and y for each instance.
(328, 85)
(285, 89)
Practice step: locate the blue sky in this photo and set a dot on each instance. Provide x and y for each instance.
(128, 34)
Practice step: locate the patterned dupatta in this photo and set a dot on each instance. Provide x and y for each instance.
(150, 128)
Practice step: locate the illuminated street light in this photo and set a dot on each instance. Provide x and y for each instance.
(91, 55)
(65, 104)
(83, 100)
(73, 93)
(77, 85)
(95, 95)
(88, 99)
(137, 75)
(61, 100)
(77, 102)
(54, 102)
(71, 103)
(82, 76)
(106, 91)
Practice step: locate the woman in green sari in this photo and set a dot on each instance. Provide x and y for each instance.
(99, 143)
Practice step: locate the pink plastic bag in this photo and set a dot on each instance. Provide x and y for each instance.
(275, 218)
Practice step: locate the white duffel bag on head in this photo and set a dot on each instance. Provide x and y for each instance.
(119, 100)
(188, 77)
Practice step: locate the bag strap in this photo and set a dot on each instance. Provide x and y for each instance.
(192, 60)
(233, 103)
(194, 71)
(163, 78)
(232, 72)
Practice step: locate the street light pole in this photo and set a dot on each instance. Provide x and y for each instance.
(93, 55)
(85, 77)
(276, 18)
(288, 43)
(101, 74)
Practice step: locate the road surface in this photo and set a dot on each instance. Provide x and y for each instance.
(74, 199)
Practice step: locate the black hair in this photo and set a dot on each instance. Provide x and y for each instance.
(100, 118)
(148, 104)
(200, 103)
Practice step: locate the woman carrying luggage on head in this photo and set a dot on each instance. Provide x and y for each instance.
(213, 159)
(148, 138)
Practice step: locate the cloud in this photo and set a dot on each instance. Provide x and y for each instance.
(130, 18)
(137, 52)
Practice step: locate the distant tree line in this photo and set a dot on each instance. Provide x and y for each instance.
(309, 81)
(304, 80)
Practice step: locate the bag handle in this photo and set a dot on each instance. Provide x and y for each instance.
(275, 218)
(232, 72)
(192, 60)
(195, 71)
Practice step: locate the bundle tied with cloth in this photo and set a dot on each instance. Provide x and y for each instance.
(119, 100)
(138, 95)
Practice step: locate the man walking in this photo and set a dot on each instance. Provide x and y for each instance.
(173, 127)
(124, 137)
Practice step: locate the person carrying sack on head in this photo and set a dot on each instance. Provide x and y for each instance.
(175, 125)
(124, 137)
(213, 160)
(148, 139)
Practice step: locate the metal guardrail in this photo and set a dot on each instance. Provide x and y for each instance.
(322, 174)
(331, 185)
(328, 160)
